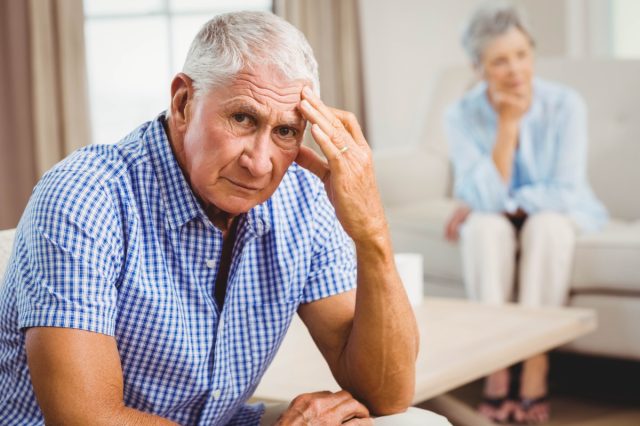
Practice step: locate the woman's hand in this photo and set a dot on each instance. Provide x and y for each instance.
(510, 106)
(452, 229)
(348, 173)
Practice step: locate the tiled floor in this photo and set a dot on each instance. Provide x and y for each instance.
(586, 391)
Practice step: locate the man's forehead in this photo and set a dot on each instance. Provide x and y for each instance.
(266, 84)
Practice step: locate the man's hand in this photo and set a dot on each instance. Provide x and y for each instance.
(348, 174)
(452, 229)
(325, 408)
(368, 337)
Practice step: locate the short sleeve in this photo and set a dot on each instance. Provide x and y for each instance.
(333, 262)
(68, 255)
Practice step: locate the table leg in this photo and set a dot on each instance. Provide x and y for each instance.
(456, 411)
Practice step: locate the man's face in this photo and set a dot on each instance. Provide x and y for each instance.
(239, 139)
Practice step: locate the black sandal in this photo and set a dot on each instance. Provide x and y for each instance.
(527, 404)
(496, 404)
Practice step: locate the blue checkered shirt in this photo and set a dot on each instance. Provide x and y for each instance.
(113, 241)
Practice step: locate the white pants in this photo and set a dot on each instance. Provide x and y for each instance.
(412, 417)
(490, 243)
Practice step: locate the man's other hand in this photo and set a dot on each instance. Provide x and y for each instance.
(325, 408)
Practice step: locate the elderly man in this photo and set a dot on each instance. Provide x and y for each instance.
(152, 281)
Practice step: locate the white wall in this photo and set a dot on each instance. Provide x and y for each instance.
(407, 43)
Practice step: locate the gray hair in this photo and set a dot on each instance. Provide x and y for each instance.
(489, 21)
(232, 41)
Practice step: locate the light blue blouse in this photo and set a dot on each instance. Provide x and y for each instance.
(549, 172)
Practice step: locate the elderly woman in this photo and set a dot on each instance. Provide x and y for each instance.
(518, 146)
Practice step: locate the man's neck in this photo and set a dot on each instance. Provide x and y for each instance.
(220, 219)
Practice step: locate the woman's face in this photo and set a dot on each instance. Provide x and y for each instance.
(507, 63)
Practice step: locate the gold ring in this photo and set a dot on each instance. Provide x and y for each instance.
(342, 151)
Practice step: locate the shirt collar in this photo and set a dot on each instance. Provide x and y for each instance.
(179, 200)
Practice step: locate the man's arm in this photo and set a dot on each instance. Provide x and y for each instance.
(369, 338)
(77, 378)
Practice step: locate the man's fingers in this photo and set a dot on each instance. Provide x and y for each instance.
(359, 422)
(333, 127)
(349, 408)
(311, 161)
(350, 122)
(331, 124)
(317, 104)
(328, 147)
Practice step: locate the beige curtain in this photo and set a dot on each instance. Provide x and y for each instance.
(43, 94)
(332, 28)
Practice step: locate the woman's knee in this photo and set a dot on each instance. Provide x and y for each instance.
(487, 225)
(548, 227)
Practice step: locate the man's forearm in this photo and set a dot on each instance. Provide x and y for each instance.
(379, 358)
(121, 416)
(128, 416)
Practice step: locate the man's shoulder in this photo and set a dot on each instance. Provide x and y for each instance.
(299, 185)
(103, 165)
(91, 182)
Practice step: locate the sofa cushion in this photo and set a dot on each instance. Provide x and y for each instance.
(604, 261)
(419, 228)
(617, 332)
(608, 260)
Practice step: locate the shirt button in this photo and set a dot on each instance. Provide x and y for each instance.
(216, 393)
(211, 263)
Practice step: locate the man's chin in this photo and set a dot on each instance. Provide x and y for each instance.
(235, 204)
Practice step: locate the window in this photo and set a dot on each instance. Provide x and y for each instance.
(134, 48)
(625, 25)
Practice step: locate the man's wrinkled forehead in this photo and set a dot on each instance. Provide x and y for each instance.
(265, 91)
(268, 86)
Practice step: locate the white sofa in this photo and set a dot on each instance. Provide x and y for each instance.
(416, 188)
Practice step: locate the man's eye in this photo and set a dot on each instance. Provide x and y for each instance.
(286, 132)
(241, 118)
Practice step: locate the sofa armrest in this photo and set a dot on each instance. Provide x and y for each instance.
(410, 174)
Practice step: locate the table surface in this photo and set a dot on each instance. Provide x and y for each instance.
(460, 341)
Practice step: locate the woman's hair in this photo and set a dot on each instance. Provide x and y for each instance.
(489, 21)
(230, 42)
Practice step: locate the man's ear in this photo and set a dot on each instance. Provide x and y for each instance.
(182, 94)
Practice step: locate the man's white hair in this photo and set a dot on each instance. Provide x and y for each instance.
(232, 41)
(489, 21)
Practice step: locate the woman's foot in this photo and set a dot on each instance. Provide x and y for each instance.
(533, 406)
(496, 405)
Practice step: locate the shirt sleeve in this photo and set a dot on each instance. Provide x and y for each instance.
(69, 255)
(561, 190)
(333, 262)
(476, 178)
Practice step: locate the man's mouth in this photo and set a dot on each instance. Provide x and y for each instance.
(244, 186)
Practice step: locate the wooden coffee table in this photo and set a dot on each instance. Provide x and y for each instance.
(460, 341)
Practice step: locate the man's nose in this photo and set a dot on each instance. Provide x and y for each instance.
(256, 157)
